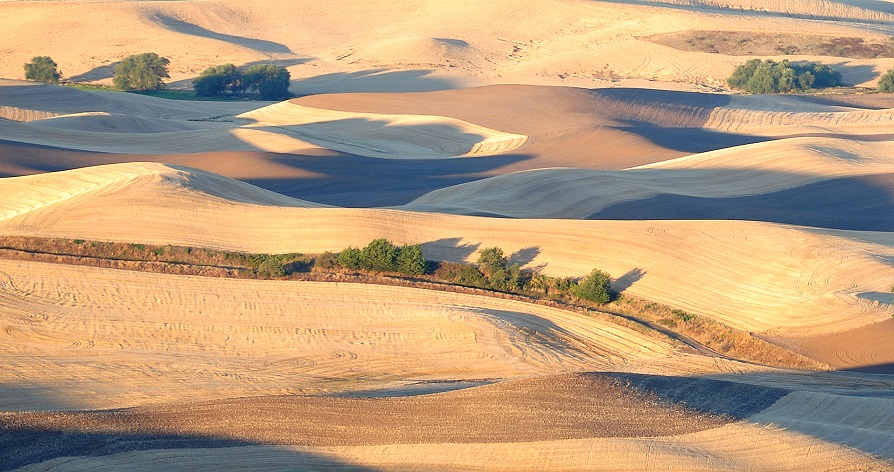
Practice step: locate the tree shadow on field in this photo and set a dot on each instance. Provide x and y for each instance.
(449, 249)
(627, 280)
(373, 80)
(526, 256)
(284, 63)
(97, 73)
(853, 74)
(183, 27)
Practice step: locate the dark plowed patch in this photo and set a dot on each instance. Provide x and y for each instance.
(713, 397)
(545, 408)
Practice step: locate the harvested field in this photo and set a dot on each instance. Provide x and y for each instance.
(573, 134)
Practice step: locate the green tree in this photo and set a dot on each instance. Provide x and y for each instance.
(42, 69)
(769, 76)
(141, 72)
(500, 275)
(491, 260)
(410, 260)
(886, 82)
(471, 276)
(595, 287)
(349, 258)
(379, 255)
(270, 80)
(217, 81)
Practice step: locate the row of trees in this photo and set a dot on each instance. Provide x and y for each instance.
(137, 72)
(768, 76)
(491, 271)
(379, 255)
(269, 80)
(147, 71)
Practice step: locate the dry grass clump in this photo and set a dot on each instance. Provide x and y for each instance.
(166, 259)
(747, 43)
(715, 335)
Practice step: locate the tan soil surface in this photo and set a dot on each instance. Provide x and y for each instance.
(864, 349)
(549, 112)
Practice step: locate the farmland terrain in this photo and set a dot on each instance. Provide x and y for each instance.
(572, 134)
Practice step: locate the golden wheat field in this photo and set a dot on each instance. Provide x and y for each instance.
(572, 134)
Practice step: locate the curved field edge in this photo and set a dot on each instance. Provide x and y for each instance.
(621, 417)
(686, 330)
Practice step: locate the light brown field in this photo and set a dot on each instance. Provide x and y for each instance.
(559, 130)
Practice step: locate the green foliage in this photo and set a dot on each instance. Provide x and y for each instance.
(218, 81)
(472, 277)
(886, 82)
(141, 72)
(410, 260)
(769, 76)
(349, 258)
(379, 255)
(79, 241)
(595, 287)
(326, 261)
(682, 315)
(42, 69)
(270, 80)
(491, 260)
(271, 267)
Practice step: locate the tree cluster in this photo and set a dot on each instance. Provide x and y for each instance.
(493, 271)
(141, 72)
(268, 80)
(768, 76)
(380, 255)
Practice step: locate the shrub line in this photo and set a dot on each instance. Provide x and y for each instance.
(708, 332)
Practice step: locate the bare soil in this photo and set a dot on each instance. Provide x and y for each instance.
(543, 408)
(867, 349)
(749, 43)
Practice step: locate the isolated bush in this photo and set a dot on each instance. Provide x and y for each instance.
(218, 81)
(270, 80)
(769, 76)
(141, 72)
(410, 260)
(349, 258)
(886, 82)
(42, 69)
(595, 287)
